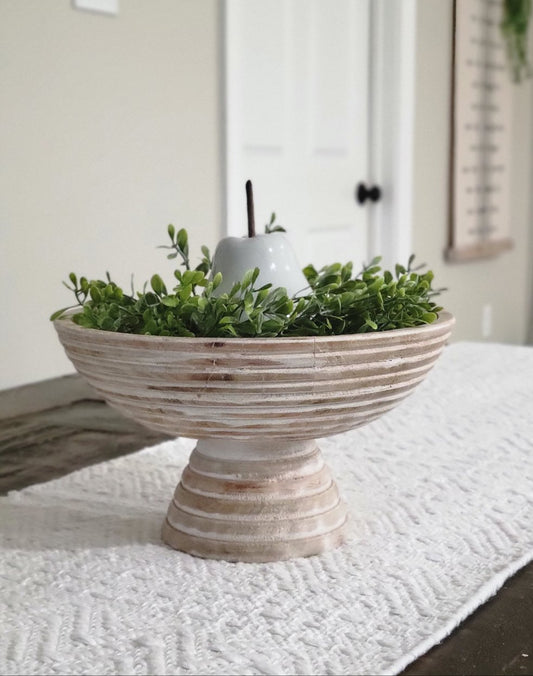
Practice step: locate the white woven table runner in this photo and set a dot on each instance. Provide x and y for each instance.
(441, 496)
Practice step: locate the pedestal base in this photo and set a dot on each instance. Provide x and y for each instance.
(255, 501)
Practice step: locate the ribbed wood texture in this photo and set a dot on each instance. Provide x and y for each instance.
(243, 388)
(261, 505)
(256, 487)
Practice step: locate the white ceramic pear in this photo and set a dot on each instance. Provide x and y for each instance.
(272, 254)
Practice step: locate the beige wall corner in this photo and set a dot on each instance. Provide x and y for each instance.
(109, 130)
(503, 282)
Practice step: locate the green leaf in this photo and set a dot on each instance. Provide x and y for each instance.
(158, 285)
(248, 302)
(185, 291)
(83, 320)
(311, 274)
(399, 269)
(271, 227)
(182, 239)
(249, 277)
(187, 277)
(198, 277)
(217, 279)
(171, 231)
(151, 328)
(58, 313)
(260, 296)
(376, 285)
(151, 299)
(106, 324)
(95, 294)
(228, 320)
(273, 326)
(170, 301)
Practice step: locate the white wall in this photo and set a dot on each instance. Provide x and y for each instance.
(504, 282)
(109, 130)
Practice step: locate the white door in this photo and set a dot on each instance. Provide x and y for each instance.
(297, 120)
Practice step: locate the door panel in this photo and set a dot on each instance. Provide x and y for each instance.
(297, 114)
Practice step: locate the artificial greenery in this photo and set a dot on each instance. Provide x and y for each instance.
(515, 22)
(335, 302)
(272, 226)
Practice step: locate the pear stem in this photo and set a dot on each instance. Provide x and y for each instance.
(250, 209)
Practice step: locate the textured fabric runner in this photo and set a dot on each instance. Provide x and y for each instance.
(440, 492)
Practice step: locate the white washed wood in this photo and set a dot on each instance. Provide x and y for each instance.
(256, 488)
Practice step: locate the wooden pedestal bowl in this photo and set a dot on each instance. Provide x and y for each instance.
(256, 487)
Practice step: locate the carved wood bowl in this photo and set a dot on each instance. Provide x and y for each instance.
(256, 487)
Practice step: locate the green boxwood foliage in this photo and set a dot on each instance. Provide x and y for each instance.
(335, 302)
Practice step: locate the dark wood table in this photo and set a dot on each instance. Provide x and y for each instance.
(57, 426)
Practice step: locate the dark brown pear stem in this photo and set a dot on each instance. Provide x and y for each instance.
(250, 208)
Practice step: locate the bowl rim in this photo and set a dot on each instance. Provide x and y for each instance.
(445, 320)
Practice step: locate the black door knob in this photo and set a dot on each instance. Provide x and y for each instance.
(362, 193)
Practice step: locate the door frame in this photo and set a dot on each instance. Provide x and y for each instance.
(391, 125)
